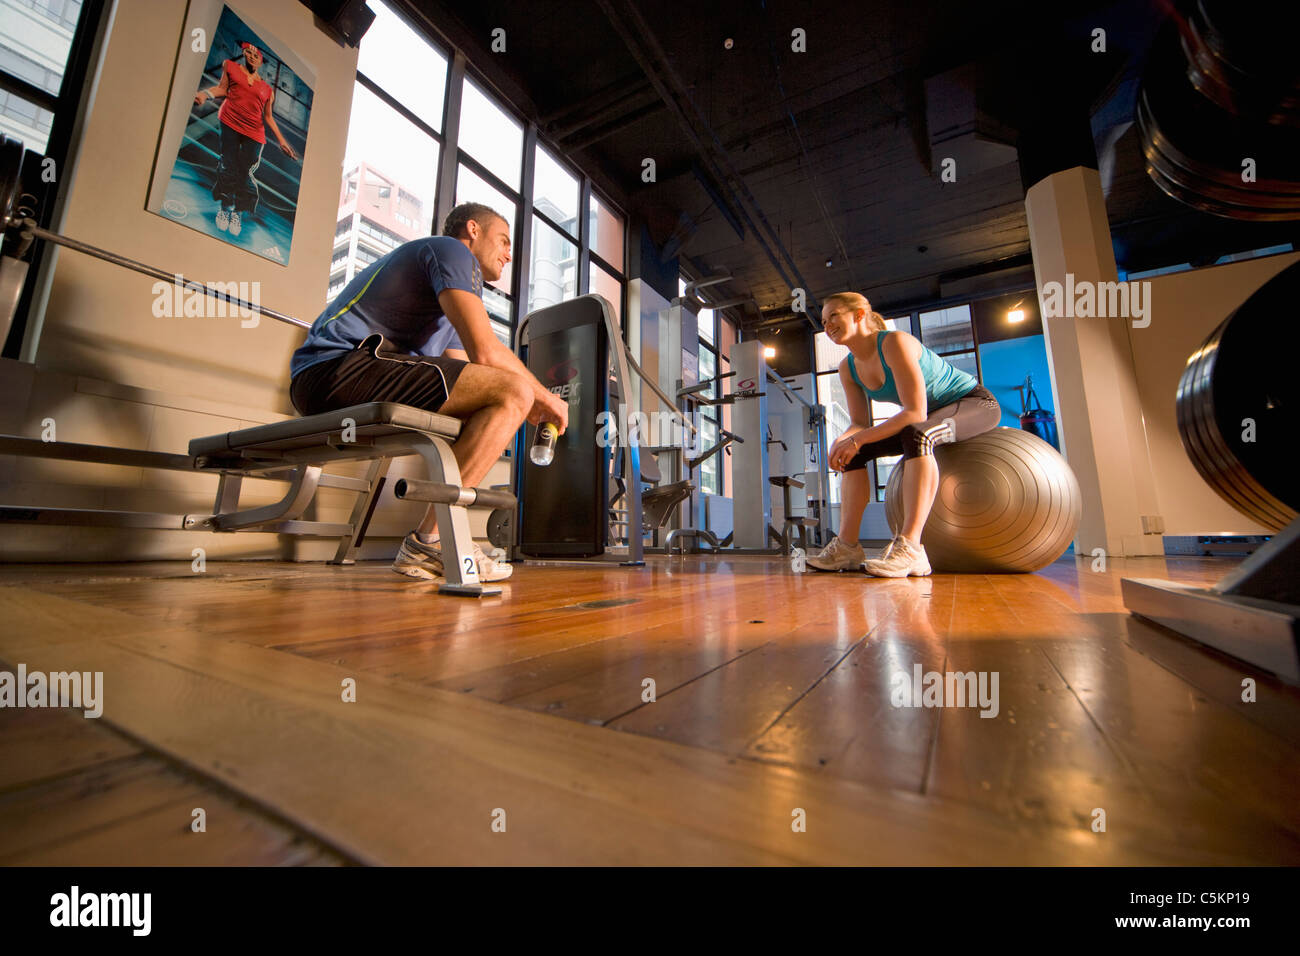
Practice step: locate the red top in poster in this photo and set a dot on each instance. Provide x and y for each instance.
(245, 103)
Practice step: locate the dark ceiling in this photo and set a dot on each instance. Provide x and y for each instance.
(816, 169)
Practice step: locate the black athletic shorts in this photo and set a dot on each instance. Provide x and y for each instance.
(974, 413)
(372, 372)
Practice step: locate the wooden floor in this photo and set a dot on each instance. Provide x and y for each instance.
(223, 690)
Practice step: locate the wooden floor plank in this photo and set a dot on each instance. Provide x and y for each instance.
(39, 744)
(846, 725)
(235, 676)
(1040, 759)
(270, 725)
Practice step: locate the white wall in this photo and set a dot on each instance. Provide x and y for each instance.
(109, 373)
(1185, 308)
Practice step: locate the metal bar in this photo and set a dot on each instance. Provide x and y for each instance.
(779, 383)
(28, 91)
(362, 512)
(1264, 633)
(654, 387)
(133, 457)
(91, 517)
(320, 529)
(30, 228)
(412, 489)
(100, 454)
(458, 564)
(302, 489)
(337, 481)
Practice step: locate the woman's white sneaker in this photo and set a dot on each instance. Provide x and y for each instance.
(901, 560)
(838, 556)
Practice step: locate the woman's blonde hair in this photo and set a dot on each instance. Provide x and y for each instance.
(855, 301)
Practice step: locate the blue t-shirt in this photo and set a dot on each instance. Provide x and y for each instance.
(398, 297)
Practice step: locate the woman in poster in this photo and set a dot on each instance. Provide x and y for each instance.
(245, 115)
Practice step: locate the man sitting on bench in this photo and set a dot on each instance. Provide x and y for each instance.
(411, 328)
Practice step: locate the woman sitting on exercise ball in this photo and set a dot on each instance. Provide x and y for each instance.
(939, 404)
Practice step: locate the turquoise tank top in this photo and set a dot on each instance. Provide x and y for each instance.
(944, 384)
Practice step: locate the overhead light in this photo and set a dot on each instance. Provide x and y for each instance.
(728, 43)
(830, 263)
(1016, 315)
(769, 352)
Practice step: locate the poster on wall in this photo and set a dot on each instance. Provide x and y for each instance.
(230, 157)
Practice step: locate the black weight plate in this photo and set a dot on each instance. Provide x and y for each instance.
(1244, 371)
(500, 527)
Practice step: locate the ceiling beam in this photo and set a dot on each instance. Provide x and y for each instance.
(640, 41)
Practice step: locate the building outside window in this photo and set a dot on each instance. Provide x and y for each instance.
(400, 145)
(35, 40)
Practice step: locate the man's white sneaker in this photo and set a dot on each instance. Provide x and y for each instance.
(415, 559)
(223, 218)
(235, 224)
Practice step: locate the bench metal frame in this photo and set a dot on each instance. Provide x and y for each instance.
(295, 452)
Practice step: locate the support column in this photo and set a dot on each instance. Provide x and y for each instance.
(750, 490)
(1094, 377)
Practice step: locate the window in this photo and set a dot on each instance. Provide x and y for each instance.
(498, 310)
(373, 231)
(602, 282)
(403, 143)
(946, 331)
(471, 187)
(62, 13)
(711, 472)
(555, 192)
(553, 267)
(35, 41)
(606, 232)
(491, 135)
(387, 149)
(387, 53)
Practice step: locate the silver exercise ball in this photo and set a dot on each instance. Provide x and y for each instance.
(1007, 502)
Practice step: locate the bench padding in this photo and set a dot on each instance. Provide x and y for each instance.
(372, 420)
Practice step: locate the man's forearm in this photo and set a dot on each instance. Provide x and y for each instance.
(502, 358)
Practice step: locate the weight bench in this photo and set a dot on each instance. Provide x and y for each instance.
(295, 451)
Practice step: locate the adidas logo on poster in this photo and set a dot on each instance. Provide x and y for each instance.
(273, 252)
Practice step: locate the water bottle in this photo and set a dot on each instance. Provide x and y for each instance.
(543, 450)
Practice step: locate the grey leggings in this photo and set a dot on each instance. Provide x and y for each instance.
(975, 412)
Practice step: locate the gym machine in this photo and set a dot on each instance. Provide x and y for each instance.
(690, 397)
(752, 480)
(292, 451)
(590, 501)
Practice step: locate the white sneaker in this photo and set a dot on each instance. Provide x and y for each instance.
(903, 559)
(415, 559)
(235, 224)
(838, 556)
(223, 218)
